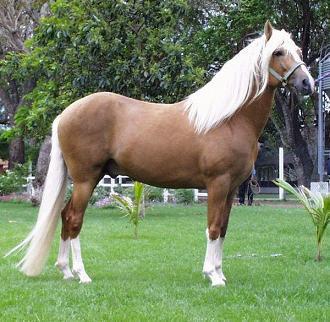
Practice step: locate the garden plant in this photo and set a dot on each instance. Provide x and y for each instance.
(317, 206)
(132, 208)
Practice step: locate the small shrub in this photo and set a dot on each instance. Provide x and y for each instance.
(154, 194)
(131, 208)
(125, 191)
(99, 193)
(13, 180)
(184, 196)
(68, 192)
(316, 205)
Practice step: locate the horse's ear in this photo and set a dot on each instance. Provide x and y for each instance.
(268, 30)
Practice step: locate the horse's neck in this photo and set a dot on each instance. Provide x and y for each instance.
(257, 112)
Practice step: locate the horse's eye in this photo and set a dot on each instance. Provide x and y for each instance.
(278, 52)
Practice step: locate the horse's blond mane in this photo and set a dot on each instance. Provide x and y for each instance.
(232, 86)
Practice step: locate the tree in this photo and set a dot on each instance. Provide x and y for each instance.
(138, 49)
(17, 21)
(293, 118)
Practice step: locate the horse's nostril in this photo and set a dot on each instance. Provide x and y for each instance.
(305, 87)
(305, 82)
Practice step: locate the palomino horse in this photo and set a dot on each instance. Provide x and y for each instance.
(207, 141)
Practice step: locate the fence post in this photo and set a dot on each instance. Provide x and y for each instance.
(196, 195)
(281, 193)
(165, 195)
(112, 185)
(29, 182)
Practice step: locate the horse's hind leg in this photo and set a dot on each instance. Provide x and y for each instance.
(78, 267)
(62, 262)
(72, 219)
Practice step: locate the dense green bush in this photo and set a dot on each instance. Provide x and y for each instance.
(184, 196)
(13, 181)
(154, 194)
(99, 194)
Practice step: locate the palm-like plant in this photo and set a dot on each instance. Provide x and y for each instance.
(315, 204)
(131, 208)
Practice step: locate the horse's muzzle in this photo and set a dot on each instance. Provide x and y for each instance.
(304, 86)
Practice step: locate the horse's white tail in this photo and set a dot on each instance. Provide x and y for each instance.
(40, 238)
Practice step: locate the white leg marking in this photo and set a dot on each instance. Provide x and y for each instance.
(212, 264)
(218, 259)
(77, 263)
(62, 262)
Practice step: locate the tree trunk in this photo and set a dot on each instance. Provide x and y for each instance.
(16, 152)
(295, 138)
(41, 170)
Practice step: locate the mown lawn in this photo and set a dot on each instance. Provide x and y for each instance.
(158, 276)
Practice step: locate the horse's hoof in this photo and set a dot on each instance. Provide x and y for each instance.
(220, 273)
(219, 283)
(85, 280)
(216, 280)
(68, 277)
(65, 269)
(83, 277)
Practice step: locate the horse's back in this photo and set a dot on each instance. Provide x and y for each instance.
(131, 133)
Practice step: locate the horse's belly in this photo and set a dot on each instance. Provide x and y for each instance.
(162, 171)
(168, 182)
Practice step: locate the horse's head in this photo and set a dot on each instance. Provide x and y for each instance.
(286, 67)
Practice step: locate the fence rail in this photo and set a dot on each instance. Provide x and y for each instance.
(118, 182)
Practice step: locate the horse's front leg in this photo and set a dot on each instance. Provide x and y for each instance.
(224, 225)
(219, 206)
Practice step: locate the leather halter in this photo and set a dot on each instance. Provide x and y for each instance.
(284, 79)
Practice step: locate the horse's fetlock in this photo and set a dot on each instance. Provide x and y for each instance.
(214, 233)
(75, 227)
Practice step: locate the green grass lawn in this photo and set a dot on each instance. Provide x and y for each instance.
(158, 276)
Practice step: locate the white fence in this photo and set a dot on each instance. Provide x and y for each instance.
(120, 181)
(124, 181)
(198, 194)
(29, 186)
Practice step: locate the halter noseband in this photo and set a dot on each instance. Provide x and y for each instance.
(284, 79)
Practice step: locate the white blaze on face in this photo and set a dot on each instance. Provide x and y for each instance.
(310, 78)
(291, 47)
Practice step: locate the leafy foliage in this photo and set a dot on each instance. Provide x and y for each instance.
(138, 49)
(131, 208)
(184, 196)
(154, 194)
(99, 193)
(316, 205)
(13, 180)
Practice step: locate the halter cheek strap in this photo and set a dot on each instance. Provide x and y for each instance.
(284, 79)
